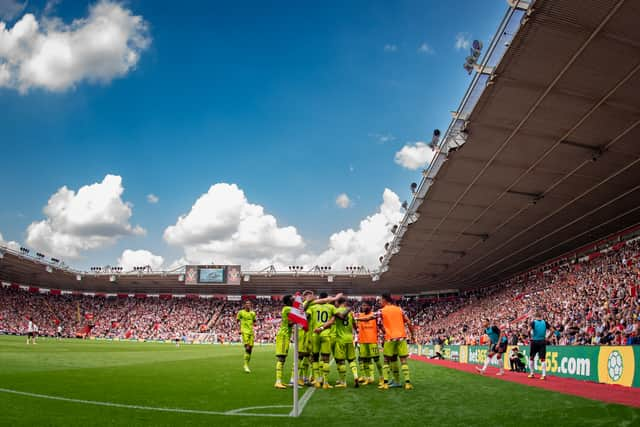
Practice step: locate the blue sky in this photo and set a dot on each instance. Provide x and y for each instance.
(295, 102)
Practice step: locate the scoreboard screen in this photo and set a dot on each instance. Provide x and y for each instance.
(212, 274)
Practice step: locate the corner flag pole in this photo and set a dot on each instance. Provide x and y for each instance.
(295, 370)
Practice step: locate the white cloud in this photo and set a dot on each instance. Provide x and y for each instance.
(139, 258)
(343, 201)
(9, 9)
(426, 49)
(93, 217)
(390, 47)
(56, 56)
(382, 138)
(463, 41)
(364, 245)
(152, 198)
(414, 156)
(50, 7)
(223, 227)
(9, 244)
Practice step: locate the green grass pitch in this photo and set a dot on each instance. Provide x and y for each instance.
(210, 378)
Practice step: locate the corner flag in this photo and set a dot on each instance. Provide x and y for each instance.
(298, 317)
(297, 314)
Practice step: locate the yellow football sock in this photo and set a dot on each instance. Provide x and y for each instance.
(405, 372)
(385, 372)
(354, 369)
(378, 363)
(396, 371)
(326, 370)
(342, 372)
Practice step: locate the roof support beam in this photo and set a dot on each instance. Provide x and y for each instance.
(597, 151)
(534, 196)
(482, 236)
(459, 253)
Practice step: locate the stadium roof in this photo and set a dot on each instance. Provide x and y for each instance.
(542, 157)
(551, 159)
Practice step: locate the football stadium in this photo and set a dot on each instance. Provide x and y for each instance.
(505, 289)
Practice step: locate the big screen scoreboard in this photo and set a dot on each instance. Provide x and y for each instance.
(212, 275)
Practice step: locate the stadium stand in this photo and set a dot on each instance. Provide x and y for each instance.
(593, 302)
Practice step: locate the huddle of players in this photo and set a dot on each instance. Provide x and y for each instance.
(498, 345)
(331, 331)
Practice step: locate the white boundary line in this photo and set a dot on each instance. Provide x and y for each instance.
(233, 412)
(307, 395)
(303, 400)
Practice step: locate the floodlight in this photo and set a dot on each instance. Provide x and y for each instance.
(414, 187)
(112, 278)
(49, 269)
(78, 277)
(246, 278)
(405, 205)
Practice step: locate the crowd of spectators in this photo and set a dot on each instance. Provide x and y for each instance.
(130, 318)
(593, 302)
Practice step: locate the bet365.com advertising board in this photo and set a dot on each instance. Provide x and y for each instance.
(611, 365)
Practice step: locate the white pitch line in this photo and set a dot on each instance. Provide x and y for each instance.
(303, 400)
(233, 412)
(239, 411)
(307, 395)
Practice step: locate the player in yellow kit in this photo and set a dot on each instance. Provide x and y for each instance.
(304, 344)
(282, 340)
(345, 350)
(247, 318)
(320, 311)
